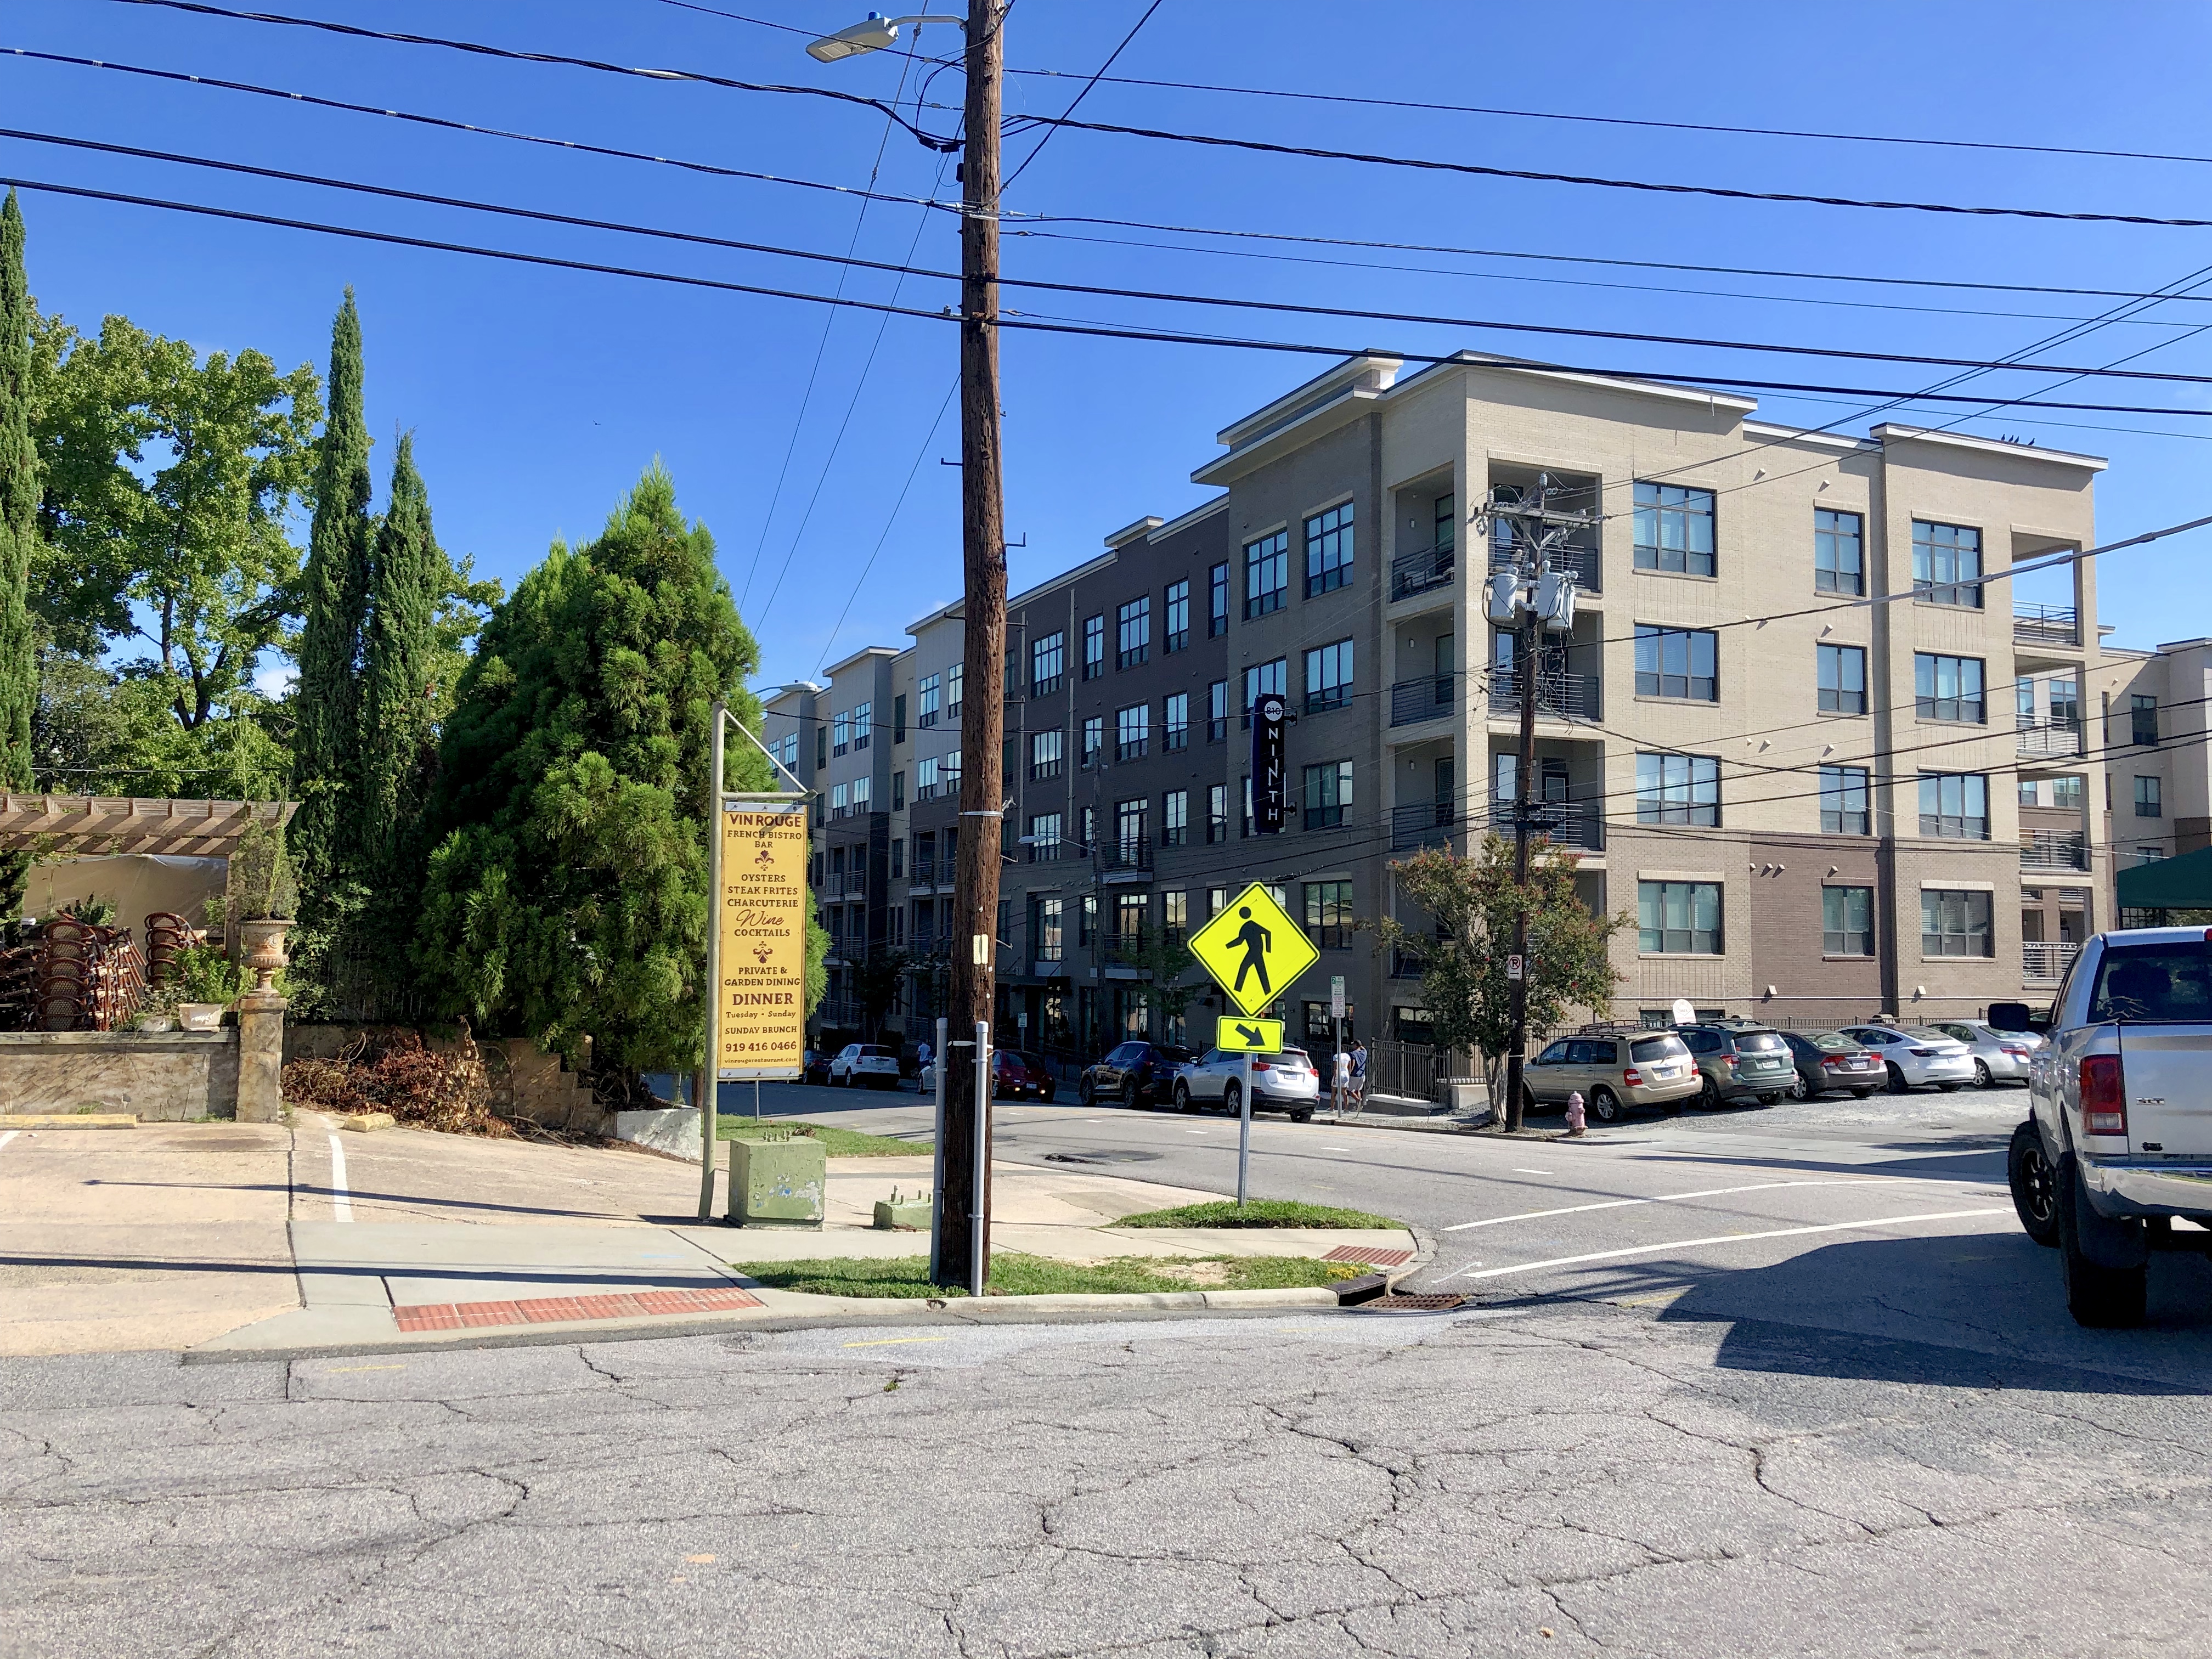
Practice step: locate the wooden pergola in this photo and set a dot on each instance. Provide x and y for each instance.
(109, 824)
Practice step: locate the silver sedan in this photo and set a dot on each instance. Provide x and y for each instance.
(1999, 1056)
(1916, 1055)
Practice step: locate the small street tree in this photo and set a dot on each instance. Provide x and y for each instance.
(1170, 979)
(19, 531)
(877, 981)
(1474, 902)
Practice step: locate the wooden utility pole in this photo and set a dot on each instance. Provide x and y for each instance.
(965, 1209)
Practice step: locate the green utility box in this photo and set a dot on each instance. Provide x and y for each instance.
(903, 1215)
(777, 1179)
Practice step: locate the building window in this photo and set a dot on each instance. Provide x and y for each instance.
(952, 772)
(1133, 730)
(1955, 924)
(2030, 792)
(1087, 920)
(1842, 673)
(1678, 918)
(898, 718)
(1947, 563)
(2149, 854)
(1094, 647)
(1267, 573)
(1217, 711)
(1247, 831)
(1045, 756)
(1175, 917)
(1132, 633)
(898, 858)
(1673, 528)
(1175, 722)
(840, 801)
(863, 788)
(820, 747)
(1044, 837)
(1329, 914)
(1267, 677)
(926, 786)
(1948, 689)
(1954, 805)
(1843, 801)
(1217, 615)
(1129, 832)
(1328, 550)
(1174, 616)
(1047, 662)
(2066, 791)
(1678, 789)
(1175, 818)
(954, 677)
(2148, 805)
(841, 732)
(1217, 813)
(2142, 720)
(1837, 564)
(1675, 662)
(1094, 739)
(1046, 924)
(1847, 921)
(930, 689)
(925, 868)
(898, 792)
(2066, 701)
(863, 724)
(1329, 676)
(1328, 794)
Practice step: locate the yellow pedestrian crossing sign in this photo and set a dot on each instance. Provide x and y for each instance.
(1236, 1034)
(1253, 949)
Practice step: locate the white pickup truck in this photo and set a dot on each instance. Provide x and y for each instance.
(2118, 1147)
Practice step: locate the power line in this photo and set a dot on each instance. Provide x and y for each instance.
(928, 441)
(1035, 323)
(1084, 92)
(1294, 307)
(1529, 175)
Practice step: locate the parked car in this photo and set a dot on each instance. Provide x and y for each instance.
(1134, 1072)
(1013, 1074)
(814, 1067)
(1999, 1056)
(1915, 1056)
(1613, 1070)
(869, 1063)
(1739, 1061)
(2117, 1145)
(1280, 1083)
(1829, 1059)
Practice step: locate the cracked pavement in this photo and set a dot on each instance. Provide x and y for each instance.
(1557, 1477)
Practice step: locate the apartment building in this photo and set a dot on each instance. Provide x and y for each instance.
(1774, 731)
(2147, 713)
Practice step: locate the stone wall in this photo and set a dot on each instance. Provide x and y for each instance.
(168, 1077)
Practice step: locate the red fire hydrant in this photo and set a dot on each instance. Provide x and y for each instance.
(1575, 1119)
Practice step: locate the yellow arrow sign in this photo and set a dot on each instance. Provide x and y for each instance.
(1253, 949)
(1235, 1033)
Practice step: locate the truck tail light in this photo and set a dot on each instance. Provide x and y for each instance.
(1633, 1077)
(2104, 1099)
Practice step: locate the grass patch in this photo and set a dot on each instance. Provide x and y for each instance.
(835, 1142)
(1015, 1274)
(1260, 1212)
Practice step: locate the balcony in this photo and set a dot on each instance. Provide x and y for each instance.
(1134, 856)
(1576, 824)
(2054, 849)
(2041, 739)
(2044, 961)
(1421, 572)
(1407, 964)
(1585, 564)
(1424, 699)
(1559, 694)
(2045, 624)
(1432, 823)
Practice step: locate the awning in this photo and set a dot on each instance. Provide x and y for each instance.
(47, 825)
(2175, 884)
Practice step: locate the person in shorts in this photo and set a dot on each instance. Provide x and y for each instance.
(1358, 1074)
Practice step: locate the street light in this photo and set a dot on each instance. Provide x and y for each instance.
(874, 34)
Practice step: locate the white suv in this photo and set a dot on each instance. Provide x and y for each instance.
(1280, 1083)
(865, 1062)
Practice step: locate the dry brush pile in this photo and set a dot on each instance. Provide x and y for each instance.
(397, 1072)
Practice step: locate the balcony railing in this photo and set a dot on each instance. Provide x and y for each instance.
(1418, 573)
(2046, 624)
(1128, 854)
(1407, 964)
(2054, 849)
(1585, 564)
(2044, 960)
(1578, 824)
(2048, 737)
(1561, 695)
(1431, 824)
(1424, 699)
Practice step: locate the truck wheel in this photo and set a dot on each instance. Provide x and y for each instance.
(2035, 1186)
(1604, 1105)
(2100, 1298)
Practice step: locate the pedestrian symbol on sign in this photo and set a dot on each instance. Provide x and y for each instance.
(1253, 949)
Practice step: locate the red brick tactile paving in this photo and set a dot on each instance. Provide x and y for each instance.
(1373, 1258)
(558, 1310)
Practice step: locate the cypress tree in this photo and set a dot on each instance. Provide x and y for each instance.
(398, 698)
(326, 741)
(19, 529)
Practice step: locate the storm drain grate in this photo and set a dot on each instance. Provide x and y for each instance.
(1434, 1302)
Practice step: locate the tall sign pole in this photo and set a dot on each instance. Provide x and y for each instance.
(966, 1211)
(707, 1086)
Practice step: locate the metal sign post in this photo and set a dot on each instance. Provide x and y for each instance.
(981, 1189)
(1245, 1131)
(709, 1087)
(939, 1059)
(1255, 952)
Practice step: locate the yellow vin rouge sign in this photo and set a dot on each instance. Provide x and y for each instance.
(763, 1017)
(1253, 949)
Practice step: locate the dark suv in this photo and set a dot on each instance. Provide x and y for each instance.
(1133, 1073)
(1740, 1062)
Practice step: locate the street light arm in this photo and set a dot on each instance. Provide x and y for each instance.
(872, 33)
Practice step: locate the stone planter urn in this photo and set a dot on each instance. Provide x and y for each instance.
(201, 1016)
(264, 946)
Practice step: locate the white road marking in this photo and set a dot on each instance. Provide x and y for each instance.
(9, 1136)
(1518, 1171)
(1725, 1238)
(1673, 1198)
(1336, 1149)
(341, 1200)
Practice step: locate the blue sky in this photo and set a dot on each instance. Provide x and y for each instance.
(538, 396)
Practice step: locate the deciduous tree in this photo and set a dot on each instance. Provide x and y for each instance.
(18, 530)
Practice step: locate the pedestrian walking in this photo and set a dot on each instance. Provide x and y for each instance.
(1575, 1119)
(1340, 1091)
(1358, 1074)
